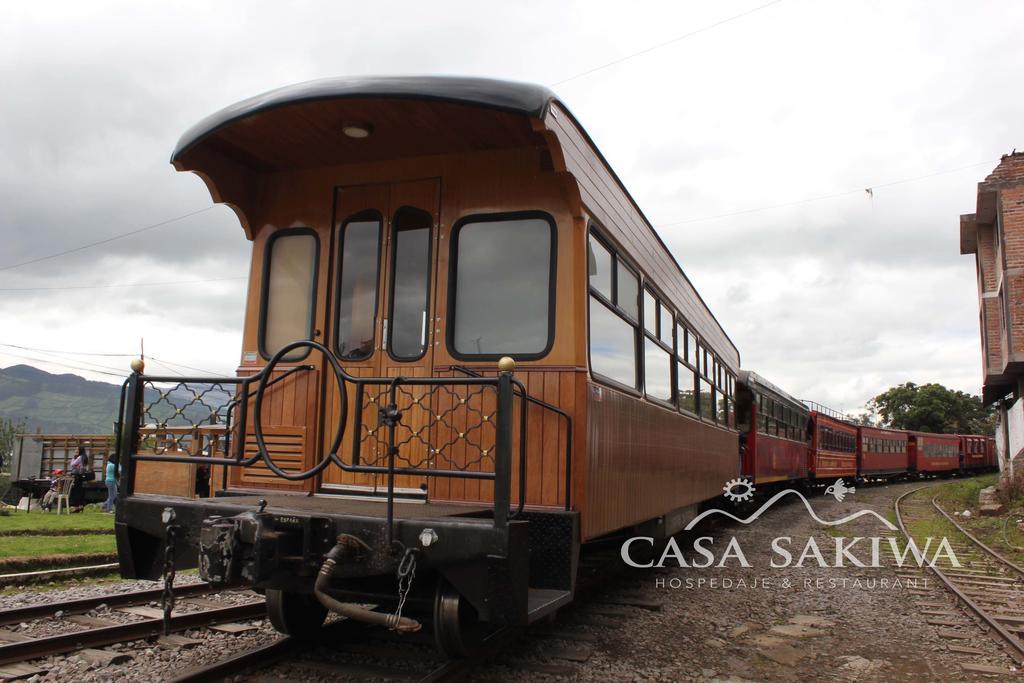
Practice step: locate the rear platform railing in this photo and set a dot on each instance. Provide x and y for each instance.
(448, 427)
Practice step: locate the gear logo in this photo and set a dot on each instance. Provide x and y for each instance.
(745, 492)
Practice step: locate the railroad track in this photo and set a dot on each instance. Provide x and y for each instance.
(350, 651)
(990, 586)
(18, 650)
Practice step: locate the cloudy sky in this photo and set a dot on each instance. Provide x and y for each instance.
(722, 136)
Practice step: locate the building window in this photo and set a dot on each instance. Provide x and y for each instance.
(614, 308)
(503, 293)
(289, 291)
(356, 312)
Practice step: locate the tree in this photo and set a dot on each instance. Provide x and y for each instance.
(933, 408)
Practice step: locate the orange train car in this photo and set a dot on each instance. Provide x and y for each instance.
(932, 454)
(465, 350)
(882, 453)
(773, 431)
(833, 450)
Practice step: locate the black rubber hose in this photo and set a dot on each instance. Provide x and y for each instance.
(321, 589)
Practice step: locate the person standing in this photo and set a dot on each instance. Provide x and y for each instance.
(79, 470)
(110, 479)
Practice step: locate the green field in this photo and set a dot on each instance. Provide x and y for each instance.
(19, 521)
(41, 546)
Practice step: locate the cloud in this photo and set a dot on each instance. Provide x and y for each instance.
(834, 300)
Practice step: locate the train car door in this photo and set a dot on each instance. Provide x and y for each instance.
(381, 323)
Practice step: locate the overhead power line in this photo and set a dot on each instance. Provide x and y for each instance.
(70, 353)
(121, 285)
(107, 240)
(666, 43)
(65, 365)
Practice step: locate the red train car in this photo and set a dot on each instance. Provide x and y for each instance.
(974, 452)
(833, 451)
(934, 453)
(882, 453)
(773, 431)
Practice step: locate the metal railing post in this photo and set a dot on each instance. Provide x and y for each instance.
(130, 430)
(503, 445)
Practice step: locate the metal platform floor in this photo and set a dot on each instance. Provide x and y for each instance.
(338, 505)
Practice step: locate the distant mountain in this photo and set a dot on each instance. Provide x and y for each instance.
(57, 404)
(69, 404)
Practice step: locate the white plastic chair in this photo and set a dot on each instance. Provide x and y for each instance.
(64, 493)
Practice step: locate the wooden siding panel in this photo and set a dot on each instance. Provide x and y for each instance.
(644, 461)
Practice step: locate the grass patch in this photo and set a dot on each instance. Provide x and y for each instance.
(960, 495)
(92, 519)
(37, 546)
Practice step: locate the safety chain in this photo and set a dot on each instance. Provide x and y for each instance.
(406, 573)
(167, 597)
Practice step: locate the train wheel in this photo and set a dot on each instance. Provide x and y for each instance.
(295, 614)
(458, 630)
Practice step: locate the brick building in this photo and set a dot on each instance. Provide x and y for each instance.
(995, 235)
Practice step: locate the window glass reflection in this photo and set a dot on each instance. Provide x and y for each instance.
(599, 264)
(612, 345)
(657, 371)
(503, 287)
(289, 298)
(357, 293)
(629, 292)
(685, 381)
(410, 283)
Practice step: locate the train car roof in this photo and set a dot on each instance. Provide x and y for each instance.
(867, 428)
(519, 98)
(224, 142)
(756, 381)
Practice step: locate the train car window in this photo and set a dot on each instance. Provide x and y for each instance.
(504, 288)
(691, 348)
(289, 291)
(599, 265)
(410, 283)
(686, 387)
(613, 345)
(707, 400)
(627, 294)
(681, 342)
(723, 410)
(650, 312)
(356, 311)
(657, 371)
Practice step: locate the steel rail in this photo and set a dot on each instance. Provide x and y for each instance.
(1015, 567)
(1016, 645)
(264, 655)
(20, 614)
(51, 574)
(119, 633)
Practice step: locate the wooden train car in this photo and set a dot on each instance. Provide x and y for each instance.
(465, 349)
(882, 453)
(773, 430)
(932, 454)
(833, 451)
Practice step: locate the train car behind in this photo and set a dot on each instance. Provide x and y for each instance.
(882, 453)
(773, 431)
(934, 454)
(974, 453)
(833, 451)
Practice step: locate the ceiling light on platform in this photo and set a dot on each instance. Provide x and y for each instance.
(357, 130)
